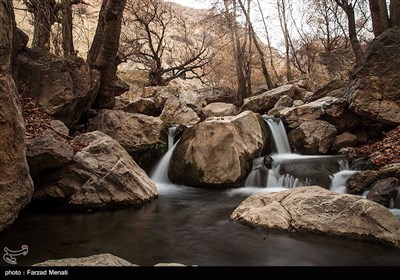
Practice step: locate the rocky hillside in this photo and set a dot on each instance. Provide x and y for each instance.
(198, 21)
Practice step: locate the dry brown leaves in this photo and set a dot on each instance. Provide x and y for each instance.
(386, 151)
(36, 119)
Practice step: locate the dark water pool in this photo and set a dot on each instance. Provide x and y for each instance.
(186, 226)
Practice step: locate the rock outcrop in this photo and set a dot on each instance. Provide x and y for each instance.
(47, 152)
(220, 110)
(65, 88)
(218, 152)
(314, 137)
(330, 109)
(136, 133)
(361, 181)
(329, 68)
(95, 260)
(15, 183)
(373, 90)
(384, 191)
(266, 101)
(101, 175)
(318, 210)
(176, 112)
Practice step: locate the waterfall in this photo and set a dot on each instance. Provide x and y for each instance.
(171, 137)
(160, 172)
(339, 180)
(278, 134)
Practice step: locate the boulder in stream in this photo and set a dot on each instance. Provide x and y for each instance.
(315, 209)
(101, 175)
(218, 152)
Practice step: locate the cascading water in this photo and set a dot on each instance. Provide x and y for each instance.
(159, 174)
(292, 170)
(278, 132)
(171, 137)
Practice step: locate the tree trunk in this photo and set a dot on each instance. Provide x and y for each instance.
(355, 44)
(269, 43)
(103, 52)
(44, 17)
(16, 187)
(258, 47)
(379, 14)
(282, 19)
(66, 23)
(395, 13)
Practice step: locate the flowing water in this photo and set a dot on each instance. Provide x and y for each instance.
(191, 226)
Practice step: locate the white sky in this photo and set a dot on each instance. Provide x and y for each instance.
(199, 4)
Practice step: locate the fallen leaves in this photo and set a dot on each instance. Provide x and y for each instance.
(36, 119)
(383, 152)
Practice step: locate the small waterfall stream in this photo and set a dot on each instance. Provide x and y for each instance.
(293, 170)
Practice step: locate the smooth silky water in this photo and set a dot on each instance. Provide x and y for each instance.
(184, 225)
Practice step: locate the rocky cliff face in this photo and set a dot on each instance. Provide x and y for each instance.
(374, 89)
(15, 183)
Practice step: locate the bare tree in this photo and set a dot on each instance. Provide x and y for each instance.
(44, 16)
(348, 8)
(381, 20)
(230, 15)
(103, 52)
(283, 20)
(257, 45)
(271, 55)
(148, 43)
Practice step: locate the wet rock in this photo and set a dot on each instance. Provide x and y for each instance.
(314, 209)
(359, 182)
(218, 153)
(384, 191)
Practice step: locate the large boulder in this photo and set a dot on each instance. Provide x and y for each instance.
(331, 109)
(331, 68)
(176, 112)
(266, 101)
(65, 87)
(145, 106)
(95, 260)
(374, 89)
(136, 133)
(314, 209)
(313, 138)
(47, 152)
(220, 110)
(217, 94)
(16, 187)
(218, 152)
(101, 175)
